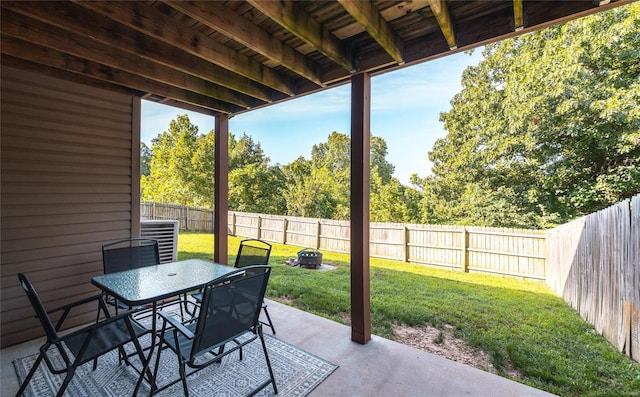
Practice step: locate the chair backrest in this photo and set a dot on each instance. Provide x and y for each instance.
(129, 254)
(231, 306)
(38, 307)
(253, 252)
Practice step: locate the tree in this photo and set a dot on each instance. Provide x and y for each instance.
(182, 171)
(145, 159)
(170, 176)
(546, 127)
(320, 187)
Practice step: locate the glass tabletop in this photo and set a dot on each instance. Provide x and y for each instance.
(153, 283)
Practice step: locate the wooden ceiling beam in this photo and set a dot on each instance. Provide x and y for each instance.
(518, 15)
(80, 22)
(150, 21)
(291, 17)
(36, 54)
(365, 13)
(224, 20)
(441, 12)
(85, 47)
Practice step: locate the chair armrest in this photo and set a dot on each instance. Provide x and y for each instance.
(71, 305)
(94, 326)
(67, 308)
(177, 324)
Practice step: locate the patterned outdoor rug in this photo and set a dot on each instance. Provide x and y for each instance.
(296, 372)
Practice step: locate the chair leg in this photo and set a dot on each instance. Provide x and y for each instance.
(266, 356)
(24, 384)
(66, 381)
(145, 368)
(270, 323)
(183, 376)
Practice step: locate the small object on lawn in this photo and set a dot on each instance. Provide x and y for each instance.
(291, 261)
(310, 258)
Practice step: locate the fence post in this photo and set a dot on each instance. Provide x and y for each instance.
(259, 226)
(153, 211)
(233, 224)
(465, 252)
(187, 220)
(285, 224)
(405, 244)
(318, 235)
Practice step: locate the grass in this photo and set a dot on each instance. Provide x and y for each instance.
(521, 324)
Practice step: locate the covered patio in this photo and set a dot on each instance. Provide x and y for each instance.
(74, 75)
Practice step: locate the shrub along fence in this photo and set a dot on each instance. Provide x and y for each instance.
(593, 263)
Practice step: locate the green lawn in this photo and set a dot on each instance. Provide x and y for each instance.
(519, 323)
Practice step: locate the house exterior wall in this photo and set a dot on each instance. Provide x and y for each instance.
(69, 173)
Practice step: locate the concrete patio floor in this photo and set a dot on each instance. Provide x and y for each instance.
(380, 368)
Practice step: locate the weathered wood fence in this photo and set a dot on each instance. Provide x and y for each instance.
(192, 219)
(511, 252)
(593, 263)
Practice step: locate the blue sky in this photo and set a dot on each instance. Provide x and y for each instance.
(405, 109)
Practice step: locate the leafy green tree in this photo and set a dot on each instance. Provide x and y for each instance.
(203, 170)
(145, 159)
(313, 196)
(182, 171)
(254, 185)
(320, 187)
(546, 127)
(170, 177)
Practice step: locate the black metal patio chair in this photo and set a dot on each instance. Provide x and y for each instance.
(83, 345)
(228, 314)
(250, 253)
(131, 253)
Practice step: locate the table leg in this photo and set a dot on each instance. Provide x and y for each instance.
(146, 368)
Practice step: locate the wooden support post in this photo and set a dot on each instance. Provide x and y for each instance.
(259, 232)
(318, 230)
(360, 169)
(221, 190)
(136, 120)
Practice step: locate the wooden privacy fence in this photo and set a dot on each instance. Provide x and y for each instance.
(192, 219)
(511, 252)
(594, 264)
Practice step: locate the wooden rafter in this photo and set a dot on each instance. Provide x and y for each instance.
(365, 13)
(299, 23)
(441, 12)
(86, 48)
(177, 51)
(36, 54)
(224, 20)
(518, 15)
(117, 37)
(148, 20)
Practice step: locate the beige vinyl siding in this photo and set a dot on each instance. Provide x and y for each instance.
(68, 152)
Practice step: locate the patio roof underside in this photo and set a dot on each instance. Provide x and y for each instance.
(230, 57)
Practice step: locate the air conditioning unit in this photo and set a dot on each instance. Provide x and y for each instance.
(166, 232)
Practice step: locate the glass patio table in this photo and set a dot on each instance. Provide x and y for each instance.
(153, 284)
